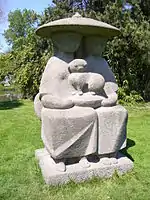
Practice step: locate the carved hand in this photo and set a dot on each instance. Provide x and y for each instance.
(53, 102)
(110, 101)
(87, 100)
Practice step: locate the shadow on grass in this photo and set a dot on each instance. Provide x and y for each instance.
(6, 105)
(130, 143)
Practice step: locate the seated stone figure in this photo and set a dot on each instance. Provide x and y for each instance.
(83, 126)
(88, 129)
(112, 118)
(68, 131)
(84, 81)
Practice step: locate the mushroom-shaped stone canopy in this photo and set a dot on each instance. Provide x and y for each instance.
(78, 24)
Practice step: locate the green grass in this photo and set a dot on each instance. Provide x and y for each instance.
(20, 176)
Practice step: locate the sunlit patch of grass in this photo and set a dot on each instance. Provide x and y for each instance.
(20, 175)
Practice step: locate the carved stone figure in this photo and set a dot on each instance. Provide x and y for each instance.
(84, 81)
(83, 128)
(62, 134)
(112, 118)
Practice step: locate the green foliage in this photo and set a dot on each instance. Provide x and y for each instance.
(20, 24)
(128, 97)
(129, 53)
(31, 65)
(145, 7)
(29, 53)
(1, 87)
(6, 65)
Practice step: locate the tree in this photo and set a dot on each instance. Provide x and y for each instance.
(20, 24)
(28, 54)
(145, 7)
(96, 5)
(128, 53)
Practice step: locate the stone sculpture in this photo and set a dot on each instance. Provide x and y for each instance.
(84, 82)
(83, 127)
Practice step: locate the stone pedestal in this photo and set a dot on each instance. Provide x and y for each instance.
(105, 168)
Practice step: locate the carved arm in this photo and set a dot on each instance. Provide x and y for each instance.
(54, 102)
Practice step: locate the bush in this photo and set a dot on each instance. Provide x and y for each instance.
(1, 87)
(128, 97)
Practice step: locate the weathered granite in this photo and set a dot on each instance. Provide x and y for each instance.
(84, 81)
(66, 41)
(69, 132)
(105, 168)
(38, 105)
(111, 128)
(87, 100)
(77, 105)
(78, 24)
(112, 118)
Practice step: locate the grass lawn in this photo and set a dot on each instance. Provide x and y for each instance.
(20, 176)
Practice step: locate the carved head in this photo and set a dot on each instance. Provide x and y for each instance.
(95, 45)
(67, 42)
(77, 65)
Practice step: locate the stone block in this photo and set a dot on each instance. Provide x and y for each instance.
(105, 168)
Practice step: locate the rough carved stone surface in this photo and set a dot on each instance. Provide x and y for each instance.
(105, 168)
(77, 105)
(87, 82)
(80, 25)
(111, 138)
(69, 133)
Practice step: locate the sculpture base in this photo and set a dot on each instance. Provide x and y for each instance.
(105, 168)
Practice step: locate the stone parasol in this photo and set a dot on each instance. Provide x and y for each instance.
(78, 24)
